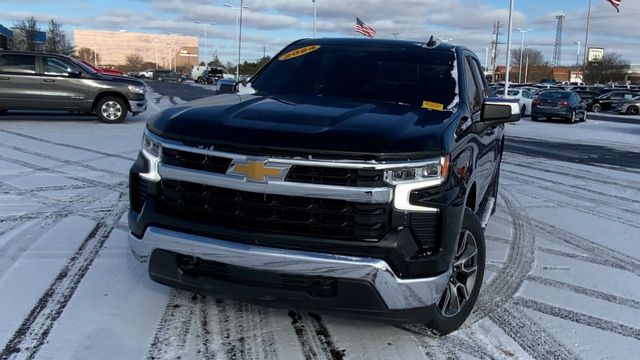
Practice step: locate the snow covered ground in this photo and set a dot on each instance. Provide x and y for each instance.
(563, 261)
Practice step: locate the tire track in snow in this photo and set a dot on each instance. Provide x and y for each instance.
(314, 337)
(34, 330)
(580, 318)
(76, 147)
(518, 263)
(220, 329)
(63, 160)
(590, 247)
(170, 337)
(531, 337)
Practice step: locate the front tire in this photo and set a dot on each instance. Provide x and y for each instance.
(596, 108)
(458, 299)
(111, 110)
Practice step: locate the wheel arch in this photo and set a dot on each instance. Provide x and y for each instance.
(105, 94)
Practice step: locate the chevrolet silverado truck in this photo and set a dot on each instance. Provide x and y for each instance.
(347, 176)
(41, 81)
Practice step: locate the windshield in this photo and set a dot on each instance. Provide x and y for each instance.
(514, 92)
(408, 76)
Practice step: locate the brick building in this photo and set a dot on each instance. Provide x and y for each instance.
(113, 47)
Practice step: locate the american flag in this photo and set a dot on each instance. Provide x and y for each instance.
(364, 29)
(616, 4)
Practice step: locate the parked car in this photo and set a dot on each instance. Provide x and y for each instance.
(210, 76)
(112, 72)
(367, 197)
(523, 96)
(605, 102)
(168, 75)
(629, 107)
(587, 96)
(559, 104)
(146, 74)
(41, 81)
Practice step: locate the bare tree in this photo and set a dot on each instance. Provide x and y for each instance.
(57, 41)
(612, 68)
(535, 56)
(88, 55)
(215, 63)
(23, 39)
(134, 62)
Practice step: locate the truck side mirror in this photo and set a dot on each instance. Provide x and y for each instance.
(500, 112)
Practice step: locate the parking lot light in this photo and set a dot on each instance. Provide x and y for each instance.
(239, 29)
(506, 78)
(205, 24)
(522, 31)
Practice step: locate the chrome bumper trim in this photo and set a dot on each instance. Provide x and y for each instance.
(380, 195)
(397, 293)
(138, 106)
(343, 164)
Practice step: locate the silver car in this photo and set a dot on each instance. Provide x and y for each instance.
(629, 107)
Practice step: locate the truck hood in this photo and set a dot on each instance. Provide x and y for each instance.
(120, 79)
(304, 125)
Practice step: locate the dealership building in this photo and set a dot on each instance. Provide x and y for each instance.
(113, 47)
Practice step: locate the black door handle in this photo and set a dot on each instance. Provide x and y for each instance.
(48, 80)
(5, 78)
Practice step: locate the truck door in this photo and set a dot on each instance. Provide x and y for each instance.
(19, 82)
(62, 86)
(487, 143)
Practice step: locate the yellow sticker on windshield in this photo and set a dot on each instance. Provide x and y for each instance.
(432, 105)
(299, 52)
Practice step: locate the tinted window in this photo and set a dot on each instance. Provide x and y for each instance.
(555, 95)
(57, 67)
(409, 76)
(526, 94)
(18, 64)
(473, 93)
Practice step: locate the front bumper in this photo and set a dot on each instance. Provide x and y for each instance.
(374, 277)
(138, 106)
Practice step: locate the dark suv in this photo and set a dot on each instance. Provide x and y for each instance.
(40, 81)
(304, 190)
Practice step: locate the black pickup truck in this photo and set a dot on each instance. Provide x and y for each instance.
(349, 176)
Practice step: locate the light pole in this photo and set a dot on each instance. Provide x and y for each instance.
(314, 17)
(486, 59)
(205, 24)
(506, 78)
(578, 56)
(522, 31)
(526, 70)
(239, 28)
(586, 37)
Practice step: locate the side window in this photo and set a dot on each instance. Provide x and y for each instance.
(483, 79)
(526, 94)
(616, 96)
(473, 93)
(57, 67)
(18, 64)
(628, 96)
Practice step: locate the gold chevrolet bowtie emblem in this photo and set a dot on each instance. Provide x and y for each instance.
(258, 170)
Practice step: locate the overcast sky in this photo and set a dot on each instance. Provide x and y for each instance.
(271, 24)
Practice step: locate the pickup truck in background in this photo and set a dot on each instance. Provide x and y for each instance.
(349, 176)
(41, 81)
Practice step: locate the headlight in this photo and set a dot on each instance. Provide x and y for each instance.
(408, 179)
(151, 146)
(137, 89)
(436, 169)
(152, 151)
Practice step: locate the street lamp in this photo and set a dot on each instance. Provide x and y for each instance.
(506, 78)
(522, 31)
(314, 17)
(239, 28)
(204, 24)
(486, 59)
(578, 56)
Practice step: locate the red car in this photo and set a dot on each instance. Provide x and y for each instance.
(111, 72)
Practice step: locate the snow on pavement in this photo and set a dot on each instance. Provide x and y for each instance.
(563, 262)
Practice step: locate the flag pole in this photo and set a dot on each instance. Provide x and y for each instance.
(586, 37)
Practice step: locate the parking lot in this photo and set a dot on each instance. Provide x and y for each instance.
(562, 256)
